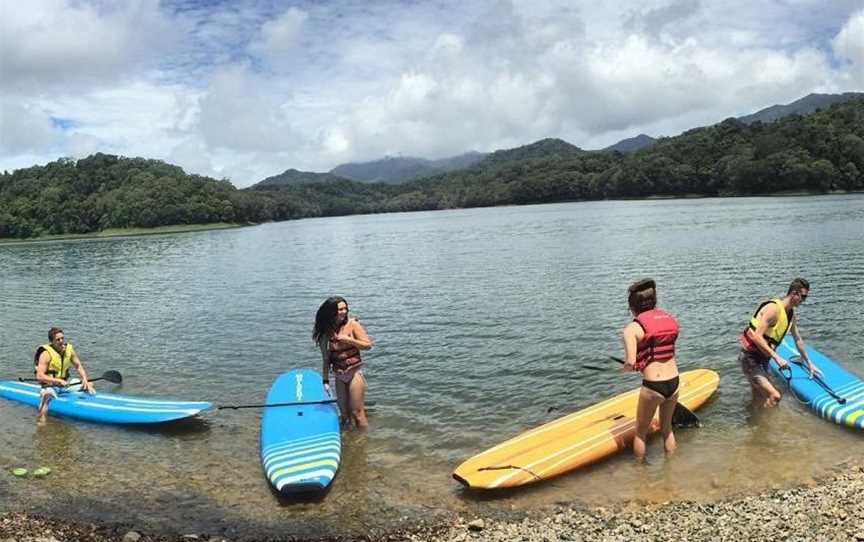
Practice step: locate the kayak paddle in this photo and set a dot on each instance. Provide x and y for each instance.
(683, 416)
(111, 376)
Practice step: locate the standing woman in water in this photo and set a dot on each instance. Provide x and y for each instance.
(341, 339)
(649, 347)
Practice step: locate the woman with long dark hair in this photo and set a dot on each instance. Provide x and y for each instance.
(341, 339)
(649, 347)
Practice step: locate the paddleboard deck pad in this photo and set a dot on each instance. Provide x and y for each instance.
(845, 407)
(103, 407)
(301, 444)
(575, 440)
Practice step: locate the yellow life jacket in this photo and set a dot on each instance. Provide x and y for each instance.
(59, 365)
(775, 333)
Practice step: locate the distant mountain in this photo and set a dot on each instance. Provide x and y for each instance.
(545, 148)
(397, 170)
(632, 144)
(804, 106)
(292, 177)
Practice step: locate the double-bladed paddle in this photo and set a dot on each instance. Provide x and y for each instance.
(682, 417)
(111, 376)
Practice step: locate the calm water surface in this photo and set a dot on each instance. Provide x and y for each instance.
(482, 320)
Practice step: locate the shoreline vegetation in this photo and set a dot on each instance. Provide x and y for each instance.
(127, 232)
(820, 153)
(828, 509)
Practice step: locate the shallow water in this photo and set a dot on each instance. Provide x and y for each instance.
(482, 320)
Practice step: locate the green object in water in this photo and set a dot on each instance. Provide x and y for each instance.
(20, 471)
(41, 472)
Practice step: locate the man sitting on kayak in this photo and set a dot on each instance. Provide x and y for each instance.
(53, 361)
(759, 341)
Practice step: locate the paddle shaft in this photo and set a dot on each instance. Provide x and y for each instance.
(824, 385)
(292, 403)
(111, 376)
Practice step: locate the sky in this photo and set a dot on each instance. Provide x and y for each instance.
(243, 90)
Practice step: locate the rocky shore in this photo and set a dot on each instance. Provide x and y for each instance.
(828, 510)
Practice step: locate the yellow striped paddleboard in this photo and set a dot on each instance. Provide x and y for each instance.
(575, 440)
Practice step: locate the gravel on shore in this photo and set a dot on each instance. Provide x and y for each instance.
(830, 510)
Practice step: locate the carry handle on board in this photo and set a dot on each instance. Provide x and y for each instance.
(683, 416)
(111, 376)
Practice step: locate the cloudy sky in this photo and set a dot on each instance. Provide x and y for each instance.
(247, 89)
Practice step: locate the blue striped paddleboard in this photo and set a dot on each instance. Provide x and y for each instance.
(837, 395)
(103, 407)
(301, 444)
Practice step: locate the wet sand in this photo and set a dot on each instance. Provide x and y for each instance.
(829, 509)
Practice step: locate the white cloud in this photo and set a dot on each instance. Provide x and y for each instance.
(244, 91)
(26, 129)
(279, 38)
(849, 46)
(58, 43)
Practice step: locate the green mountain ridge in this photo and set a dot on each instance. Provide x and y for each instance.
(817, 153)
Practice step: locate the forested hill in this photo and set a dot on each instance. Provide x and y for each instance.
(817, 153)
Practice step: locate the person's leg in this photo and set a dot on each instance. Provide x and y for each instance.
(357, 398)
(764, 393)
(667, 409)
(646, 407)
(767, 392)
(342, 399)
(45, 396)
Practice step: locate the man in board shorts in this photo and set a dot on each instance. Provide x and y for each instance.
(52, 363)
(766, 330)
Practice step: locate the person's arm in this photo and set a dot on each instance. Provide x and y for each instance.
(630, 338)
(766, 317)
(356, 336)
(42, 367)
(79, 367)
(799, 343)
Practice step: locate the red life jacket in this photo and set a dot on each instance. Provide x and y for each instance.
(345, 358)
(658, 344)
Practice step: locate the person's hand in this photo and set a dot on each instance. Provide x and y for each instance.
(62, 382)
(814, 371)
(781, 361)
(88, 387)
(343, 339)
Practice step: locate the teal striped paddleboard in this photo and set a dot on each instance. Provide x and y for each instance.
(837, 396)
(301, 444)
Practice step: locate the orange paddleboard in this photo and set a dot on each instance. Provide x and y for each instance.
(575, 440)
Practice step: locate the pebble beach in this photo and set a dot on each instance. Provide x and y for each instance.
(829, 509)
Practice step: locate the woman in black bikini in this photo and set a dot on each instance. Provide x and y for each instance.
(649, 347)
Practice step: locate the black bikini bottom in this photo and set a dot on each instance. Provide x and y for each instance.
(666, 388)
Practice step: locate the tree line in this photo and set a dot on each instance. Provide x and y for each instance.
(816, 153)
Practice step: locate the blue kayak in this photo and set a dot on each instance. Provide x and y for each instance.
(103, 407)
(301, 444)
(837, 395)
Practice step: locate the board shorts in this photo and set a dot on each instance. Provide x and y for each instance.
(48, 391)
(754, 366)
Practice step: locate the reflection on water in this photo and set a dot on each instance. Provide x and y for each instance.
(482, 320)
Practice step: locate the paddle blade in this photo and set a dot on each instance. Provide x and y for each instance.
(113, 376)
(683, 417)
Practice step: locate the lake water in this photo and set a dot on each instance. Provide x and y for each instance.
(482, 320)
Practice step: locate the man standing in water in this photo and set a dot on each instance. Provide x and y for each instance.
(53, 361)
(768, 326)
